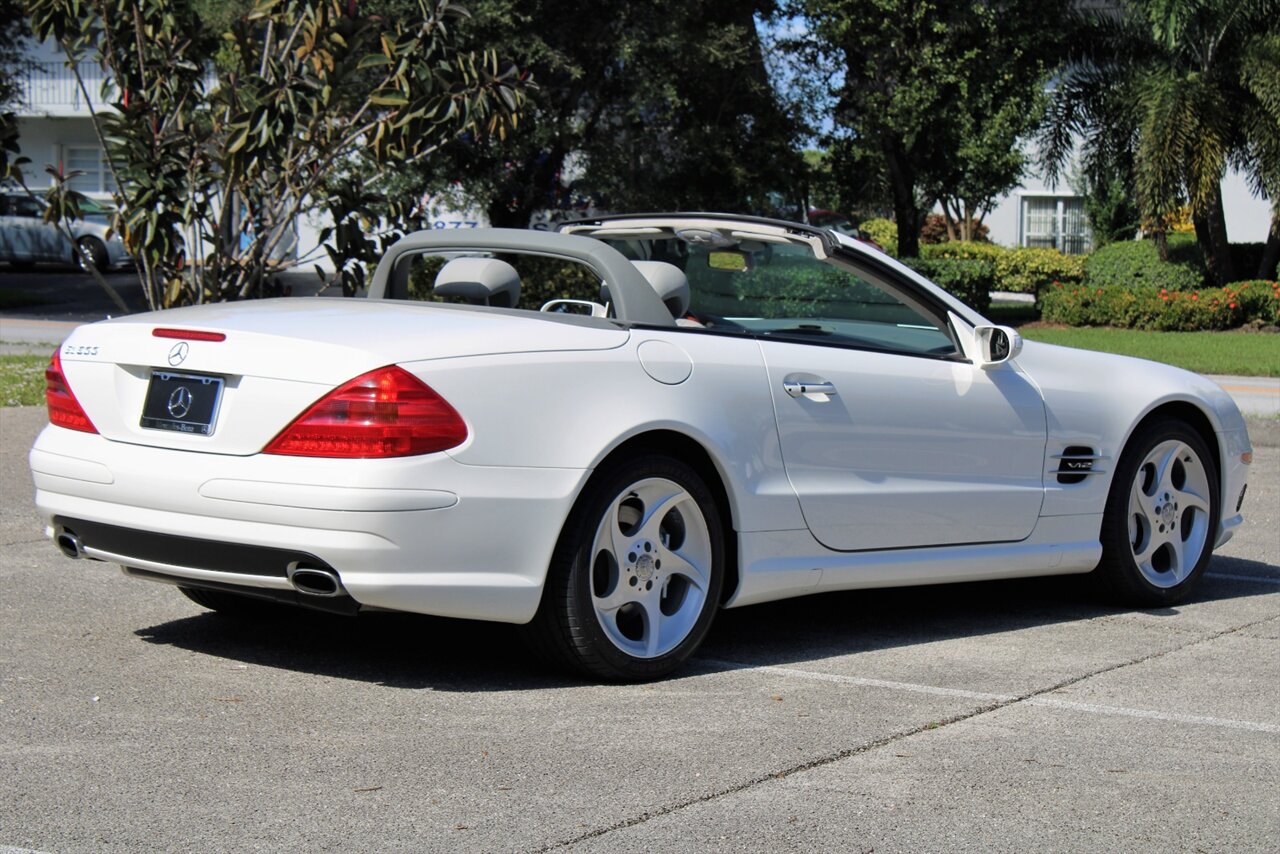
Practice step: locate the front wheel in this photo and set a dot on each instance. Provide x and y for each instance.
(1161, 516)
(635, 580)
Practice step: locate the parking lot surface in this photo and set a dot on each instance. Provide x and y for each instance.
(983, 717)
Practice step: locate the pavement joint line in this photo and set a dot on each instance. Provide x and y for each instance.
(993, 705)
(1262, 579)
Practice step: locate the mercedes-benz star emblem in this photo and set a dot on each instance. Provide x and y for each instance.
(180, 402)
(179, 353)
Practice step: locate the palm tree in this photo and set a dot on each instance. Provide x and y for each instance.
(1169, 91)
(1260, 157)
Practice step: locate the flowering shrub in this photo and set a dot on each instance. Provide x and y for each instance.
(1162, 309)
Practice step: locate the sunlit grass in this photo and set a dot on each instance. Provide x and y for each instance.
(1247, 354)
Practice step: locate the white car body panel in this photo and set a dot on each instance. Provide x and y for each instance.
(909, 451)
(967, 452)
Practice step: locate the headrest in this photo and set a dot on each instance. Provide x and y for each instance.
(667, 280)
(480, 281)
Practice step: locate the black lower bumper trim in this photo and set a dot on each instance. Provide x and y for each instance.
(186, 551)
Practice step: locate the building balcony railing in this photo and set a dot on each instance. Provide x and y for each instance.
(51, 89)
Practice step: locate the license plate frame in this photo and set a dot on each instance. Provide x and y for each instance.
(182, 402)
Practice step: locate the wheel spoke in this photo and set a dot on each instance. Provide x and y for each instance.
(1148, 550)
(652, 625)
(1164, 468)
(1140, 502)
(674, 563)
(1177, 567)
(619, 596)
(617, 543)
(655, 512)
(1187, 499)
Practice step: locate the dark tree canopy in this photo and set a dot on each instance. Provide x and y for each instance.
(934, 96)
(649, 105)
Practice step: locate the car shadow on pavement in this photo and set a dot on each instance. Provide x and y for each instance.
(418, 652)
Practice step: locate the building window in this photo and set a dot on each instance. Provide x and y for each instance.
(96, 179)
(1055, 222)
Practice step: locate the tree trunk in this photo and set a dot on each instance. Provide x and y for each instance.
(1162, 244)
(1211, 234)
(1271, 252)
(905, 210)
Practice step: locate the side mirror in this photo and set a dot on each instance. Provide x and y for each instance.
(996, 344)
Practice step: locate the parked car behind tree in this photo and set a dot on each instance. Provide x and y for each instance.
(25, 236)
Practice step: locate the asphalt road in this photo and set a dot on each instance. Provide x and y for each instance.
(985, 717)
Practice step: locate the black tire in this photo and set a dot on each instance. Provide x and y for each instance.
(97, 252)
(579, 626)
(22, 266)
(1161, 521)
(231, 604)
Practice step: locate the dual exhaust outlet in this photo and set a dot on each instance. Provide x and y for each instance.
(310, 580)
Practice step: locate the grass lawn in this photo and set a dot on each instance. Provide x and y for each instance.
(1251, 354)
(22, 380)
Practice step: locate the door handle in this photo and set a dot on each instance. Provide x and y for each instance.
(799, 389)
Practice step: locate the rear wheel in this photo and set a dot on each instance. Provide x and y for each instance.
(1161, 516)
(96, 252)
(635, 580)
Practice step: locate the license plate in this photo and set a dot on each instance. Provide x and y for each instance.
(186, 403)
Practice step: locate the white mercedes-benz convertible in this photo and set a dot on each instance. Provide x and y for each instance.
(694, 412)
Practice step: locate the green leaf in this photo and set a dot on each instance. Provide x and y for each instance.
(389, 98)
(374, 60)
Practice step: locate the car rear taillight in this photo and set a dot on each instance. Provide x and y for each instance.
(384, 413)
(64, 409)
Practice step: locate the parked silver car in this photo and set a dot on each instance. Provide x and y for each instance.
(26, 238)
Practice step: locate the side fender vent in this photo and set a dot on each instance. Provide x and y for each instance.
(1076, 463)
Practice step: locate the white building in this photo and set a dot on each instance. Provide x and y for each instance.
(55, 124)
(1036, 214)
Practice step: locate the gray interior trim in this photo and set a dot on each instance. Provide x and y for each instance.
(634, 300)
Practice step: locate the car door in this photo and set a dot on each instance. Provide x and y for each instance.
(28, 237)
(890, 438)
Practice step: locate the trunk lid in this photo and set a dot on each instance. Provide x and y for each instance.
(280, 356)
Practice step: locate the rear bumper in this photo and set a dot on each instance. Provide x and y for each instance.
(423, 534)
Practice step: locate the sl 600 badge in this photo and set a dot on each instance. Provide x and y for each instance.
(80, 349)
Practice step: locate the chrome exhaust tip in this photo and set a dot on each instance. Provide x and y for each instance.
(314, 581)
(69, 544)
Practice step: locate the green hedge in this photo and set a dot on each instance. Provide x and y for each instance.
(971, 280)
(1024, 269)
(1163, 309)
(1134, 263)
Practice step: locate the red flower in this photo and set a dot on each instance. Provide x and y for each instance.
(1195, 296)
(1231, 305)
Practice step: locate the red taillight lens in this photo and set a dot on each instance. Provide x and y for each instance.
(384, 413)
(64, 409)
